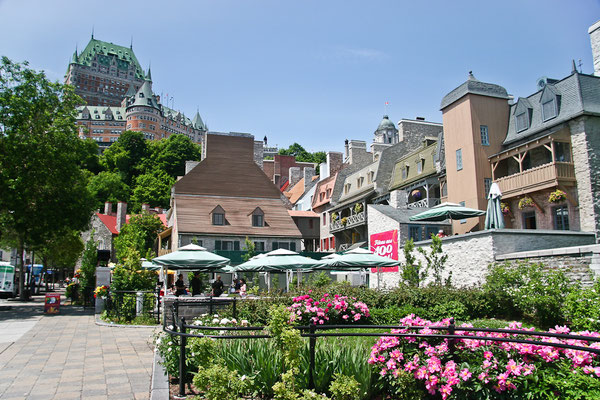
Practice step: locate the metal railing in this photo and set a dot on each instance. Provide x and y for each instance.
(351, 220)
(424, 203)
(126, 305)
(182, 330)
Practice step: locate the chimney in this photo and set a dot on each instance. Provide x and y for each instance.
(159, 210)
(309, 172)
(295, 175)
(121, 215)
(594, 32)
(189, 165)
(420, 118)
(146, 207)
(334, 162)
(107, 208)
(347, 153)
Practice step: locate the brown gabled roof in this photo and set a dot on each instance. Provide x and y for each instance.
(228, 170)
(193, 216)
(295, 192)
(298, 213)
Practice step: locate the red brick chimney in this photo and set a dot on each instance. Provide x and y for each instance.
(121, 215)
(107, 208)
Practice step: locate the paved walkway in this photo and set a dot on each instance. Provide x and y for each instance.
(67, 356)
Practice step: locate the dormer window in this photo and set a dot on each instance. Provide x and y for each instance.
(141, 95)
(347, 188)
(522, 121)
(370, 177)
(420, 165)
(360, 181)
(549, 109)
(258, 217)
(218, 216)
(328, 193)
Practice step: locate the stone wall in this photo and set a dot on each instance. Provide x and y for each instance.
(580, 263)
(594, 32)
(259, 152)
(583, 174)
(470, 254)
(101, 235)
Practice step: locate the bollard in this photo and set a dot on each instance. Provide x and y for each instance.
(139, 303)
(312, 341)
(182, 344)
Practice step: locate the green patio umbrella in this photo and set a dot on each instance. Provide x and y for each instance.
(446, 211)
(358, 259)
(192, 257)
(494, 218)
(279, 260)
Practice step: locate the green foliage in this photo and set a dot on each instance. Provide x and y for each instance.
(202, 351)
(302, 155)
(582, 308)
(43, 187)
(169, 155)
(412, 271)
(405, 387)
(451, 309)
(320, 279)
(89, 261)
(139, 234)
(152, 188)
(126, 155)
(344, 388)
(62, 251)
(435, 260)
(529, 289)
(250, 249)
(72, 291)
(130, 276)
(219, 383)
(393, 314)
(287, 388)
(108, 186)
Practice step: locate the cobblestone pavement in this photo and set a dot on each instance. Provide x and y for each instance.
(67, 356)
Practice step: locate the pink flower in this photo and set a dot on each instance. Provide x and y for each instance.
(465, 374)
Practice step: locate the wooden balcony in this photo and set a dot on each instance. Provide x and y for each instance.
(538, 178)
(351, 221)
(162, 252)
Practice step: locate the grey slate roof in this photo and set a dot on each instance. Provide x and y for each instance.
(474, 86)
(402, 215)
(577, 94)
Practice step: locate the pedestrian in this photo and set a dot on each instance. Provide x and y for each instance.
(179, 286)
(217, 287)
(196, 284)
(243, 287)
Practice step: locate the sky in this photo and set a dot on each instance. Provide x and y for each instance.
(315, 72)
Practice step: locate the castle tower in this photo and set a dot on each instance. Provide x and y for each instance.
(386, 132)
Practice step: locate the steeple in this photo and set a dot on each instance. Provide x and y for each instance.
(149, 75)
(131, 43)
(92, 32)
(75, 58)
(197, 122)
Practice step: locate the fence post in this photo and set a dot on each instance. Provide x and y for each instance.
(182, 344)
(451, 331)
(210, 305)
(234, 308)
(312, 348)
(175, 314)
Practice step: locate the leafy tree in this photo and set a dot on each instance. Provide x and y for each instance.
(43, 187)
(89, 261)
(91, 160)
(153, 188)
(169, 155)
(139, 235)
(412, 271)
(129, 274)
(302, 155)
(436, 259)
(62, 251)
(250, 249)
(108, 186)
(126, 155)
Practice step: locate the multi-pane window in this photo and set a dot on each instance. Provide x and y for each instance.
(259, 246)
(459, 164)
(419, 166)
(562, 152)
(257, 220)
(529, 220)
(284, 245)
(404, 172)
(463, 221)
(324, 218)
(218, 219)
(487, 183)
(522, 121)
(548, 109)
(227, 245)
(485, 138)
(561, 218)
(414, 232)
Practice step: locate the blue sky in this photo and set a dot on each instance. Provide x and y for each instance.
(312, 72)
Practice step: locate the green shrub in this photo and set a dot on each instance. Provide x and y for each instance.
(404, 386)
(582, 308)
(217, 382)
(344, 388)
(451, 309)
(392, 315)
(72, 291)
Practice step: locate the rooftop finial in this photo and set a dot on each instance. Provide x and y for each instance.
(92, 31)
(471, 76)
(131, 43)
(574, 67)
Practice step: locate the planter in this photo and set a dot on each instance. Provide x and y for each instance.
(558, 196)
(525, 202)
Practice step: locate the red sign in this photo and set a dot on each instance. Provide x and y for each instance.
(385, 244)
(52, 303)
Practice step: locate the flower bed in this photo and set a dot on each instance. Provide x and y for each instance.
(488, 368)
(328, 310)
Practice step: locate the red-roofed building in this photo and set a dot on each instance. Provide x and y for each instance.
(106, 226)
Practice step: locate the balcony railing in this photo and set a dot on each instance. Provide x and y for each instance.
(538, 178)
(432, 202)
(351, 221)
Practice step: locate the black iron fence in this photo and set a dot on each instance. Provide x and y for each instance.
(127, 305)
(182, 330)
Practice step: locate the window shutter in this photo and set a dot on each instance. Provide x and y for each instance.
(275, 245)
(293, 246)
(236, 245)
(217, 245)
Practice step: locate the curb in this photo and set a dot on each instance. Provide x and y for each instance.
(159, 389)
(99, 322)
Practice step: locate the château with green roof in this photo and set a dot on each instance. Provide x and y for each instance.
(103, 73)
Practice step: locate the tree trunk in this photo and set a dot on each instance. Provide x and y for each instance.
(20, 252)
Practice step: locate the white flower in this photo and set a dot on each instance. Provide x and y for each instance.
(216, 315)
(221, 332)
(215, 321)
(243, 377)
(244, 322)
(224, 321)
(170, 344)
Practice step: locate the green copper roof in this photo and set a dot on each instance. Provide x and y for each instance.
(386, 124)
(104, 52)
(197, 122)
